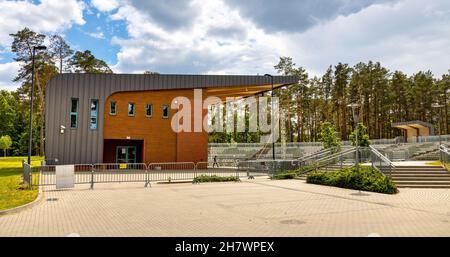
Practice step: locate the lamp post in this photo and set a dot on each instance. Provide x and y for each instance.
(439, 107)
(30, 131)
(355, 121)
(271, 116)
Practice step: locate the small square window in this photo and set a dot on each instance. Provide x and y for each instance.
(73, 121)
(165, 111)
(131, 109)
(112, 108)
(74, 113)
(94, 114)
(149, 110)
(93, 124)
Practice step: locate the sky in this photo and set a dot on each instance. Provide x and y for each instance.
(235, 36)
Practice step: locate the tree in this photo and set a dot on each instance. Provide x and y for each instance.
(363, 138)
(60, 50)
(23, 43)
(85, 62)
(328, 136)
(5, 143)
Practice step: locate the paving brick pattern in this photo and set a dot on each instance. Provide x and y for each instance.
(259, 207)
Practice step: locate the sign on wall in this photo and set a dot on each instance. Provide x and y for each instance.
(65, 176)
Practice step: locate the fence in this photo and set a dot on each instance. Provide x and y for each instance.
(132, 172)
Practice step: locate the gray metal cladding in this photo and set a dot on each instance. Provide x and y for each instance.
(83, 145)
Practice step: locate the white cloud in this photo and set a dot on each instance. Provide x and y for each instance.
(405, 35)
(47, 16)
(240, 47)
(7, 73)
(105, 5)
(97, 35)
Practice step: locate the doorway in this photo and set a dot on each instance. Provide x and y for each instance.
(123, 151)
(126, 154)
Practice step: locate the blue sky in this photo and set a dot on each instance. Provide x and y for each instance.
(237, 37)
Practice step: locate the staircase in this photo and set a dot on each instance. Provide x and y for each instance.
(421, 177)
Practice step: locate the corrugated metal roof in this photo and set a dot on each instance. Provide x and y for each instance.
(134, 82)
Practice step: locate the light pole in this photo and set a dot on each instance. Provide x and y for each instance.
(272, 122)
(30, 131)
(355, 121)
(439, 107)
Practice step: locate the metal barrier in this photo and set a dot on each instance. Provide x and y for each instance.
(171, 171)
(26, 174)
(133, 172)
(119, 173)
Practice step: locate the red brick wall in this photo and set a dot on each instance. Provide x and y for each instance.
(161, 143)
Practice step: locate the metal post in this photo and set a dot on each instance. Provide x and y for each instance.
(92, 176)
(30, 128)
(271, 115)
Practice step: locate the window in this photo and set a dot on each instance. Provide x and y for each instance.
(149, 110)
(131, 109)
(94, 114)
(74, 113)
(165, 111)
(112, 108)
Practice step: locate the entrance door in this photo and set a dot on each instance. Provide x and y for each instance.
(126, 154)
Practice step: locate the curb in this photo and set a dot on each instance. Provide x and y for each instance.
(20, 208)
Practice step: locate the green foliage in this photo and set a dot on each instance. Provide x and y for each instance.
(12, 193)
(287, 174)
(86, 62)
(303, 169)
(214, 178)
(363, 138)
(364, 178)
(328, 137)
(5, 143)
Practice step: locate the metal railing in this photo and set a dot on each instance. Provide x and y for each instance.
(341, 158)
(315, 156)
(445, 156)
(130, 172)
(381, 162)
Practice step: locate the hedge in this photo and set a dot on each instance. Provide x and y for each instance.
(364, 178)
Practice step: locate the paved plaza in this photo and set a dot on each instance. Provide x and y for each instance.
(258, 207)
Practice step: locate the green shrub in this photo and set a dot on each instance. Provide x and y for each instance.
(214, 178)
(285, 175)
(366, 179)
(304, 169)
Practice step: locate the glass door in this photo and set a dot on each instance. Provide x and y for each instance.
(126, 154)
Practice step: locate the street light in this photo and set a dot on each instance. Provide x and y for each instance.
(355, 121)
(30, 132)
(271, 115)
(439, 107)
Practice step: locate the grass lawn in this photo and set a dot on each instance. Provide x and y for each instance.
(10, 181)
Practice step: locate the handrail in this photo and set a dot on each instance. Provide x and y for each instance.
(445, 156)
(381, 156)
(311, 156)
(382, 160)
(322, 162)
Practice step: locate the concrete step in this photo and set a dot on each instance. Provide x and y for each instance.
(422, 186)
(442, 175)
(425, 178)
(420, 173)
(421, 182)
(419, 168)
